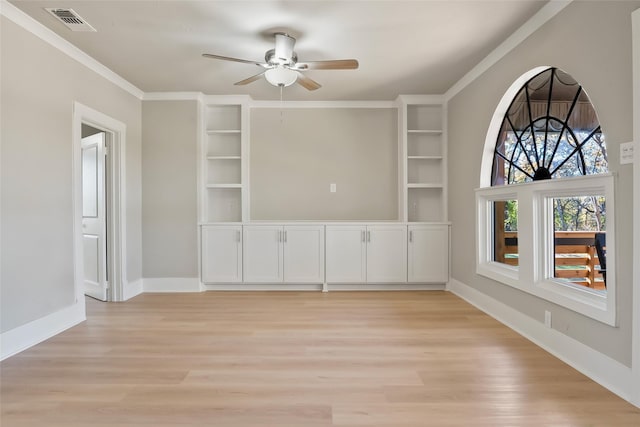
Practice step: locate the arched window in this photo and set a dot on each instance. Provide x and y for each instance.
(536, 231)
(550, 130)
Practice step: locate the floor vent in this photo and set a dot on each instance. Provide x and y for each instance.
(71, 19)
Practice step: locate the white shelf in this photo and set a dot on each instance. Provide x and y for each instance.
(425, 162)
(424, 185)
(224, 185)
(222, 163)
(226, 131)
(426, 131)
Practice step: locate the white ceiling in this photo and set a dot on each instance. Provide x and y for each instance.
(411, 47)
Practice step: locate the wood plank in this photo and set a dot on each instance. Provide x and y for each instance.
(246, 359)
(565, 274)
(581, 260)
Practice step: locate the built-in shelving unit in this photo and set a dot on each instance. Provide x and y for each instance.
(223, 157)
(424, 155)
(238, 253)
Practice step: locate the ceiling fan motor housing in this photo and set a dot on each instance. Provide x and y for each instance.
(283, 53)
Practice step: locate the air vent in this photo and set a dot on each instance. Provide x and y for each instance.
(71, 19)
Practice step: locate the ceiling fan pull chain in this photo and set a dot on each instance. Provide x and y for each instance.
(281, 105)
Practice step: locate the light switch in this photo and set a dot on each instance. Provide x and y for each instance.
(626, 153)
(332, 188)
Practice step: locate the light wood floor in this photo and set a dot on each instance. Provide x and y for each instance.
(297, 359)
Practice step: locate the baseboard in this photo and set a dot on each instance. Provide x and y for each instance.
(171, 284)
(384, 287)
(21, 338)
(132, 289)
(604, 370)
(262, 287)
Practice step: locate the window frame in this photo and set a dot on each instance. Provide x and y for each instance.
(535, 271)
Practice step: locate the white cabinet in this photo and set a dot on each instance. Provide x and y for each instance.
(428, 253)
(373, 254)
(221, 254)
(303, 254)
(387, 254)
(346, 254)
(262, 254)
(290, 254)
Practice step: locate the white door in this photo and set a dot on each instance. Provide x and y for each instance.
(94, 216)
(262, 254)
(387, 254)
(304, 254)
(221, 254)
(428, 253)
(346, 254)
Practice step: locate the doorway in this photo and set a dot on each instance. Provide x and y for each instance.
(94, 212)
(99, 205)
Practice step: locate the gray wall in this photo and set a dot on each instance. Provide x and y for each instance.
(169, 209)
(39, 85)
(297, 153)
(592, 42)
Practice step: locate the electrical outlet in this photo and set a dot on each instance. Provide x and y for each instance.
(626, 153)
(332, 188)
(547, 318)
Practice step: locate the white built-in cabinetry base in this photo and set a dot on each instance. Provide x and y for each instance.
(321, 256)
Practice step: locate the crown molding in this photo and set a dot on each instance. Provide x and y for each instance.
(420, 99)
(173, 96)
(20, 18)
(322, 104)
(545, 14)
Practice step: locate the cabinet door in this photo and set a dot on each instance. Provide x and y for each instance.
(428, 253)
(387, 254)
(346, 254)
(262, 254)
(221, 254)
(304, 254)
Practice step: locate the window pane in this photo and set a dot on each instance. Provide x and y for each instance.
(577, 223)
(550, 131)
(505, 232)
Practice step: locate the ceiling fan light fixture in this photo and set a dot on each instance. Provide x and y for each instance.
(281, 76)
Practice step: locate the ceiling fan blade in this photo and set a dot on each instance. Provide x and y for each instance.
(249, 79)
(307, 83)
(336, 64)
(228, 58)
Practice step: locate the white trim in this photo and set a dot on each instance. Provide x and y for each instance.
(534, 275)
(331, 287)
(118, 202)
(171, 284)
(547, 12)
(173, 96)
(604, 370)
(635, 363)
(225, 99)
(420, 99)
(21, 338)
(14, 14)
(496, 122)
(297, 287)
(324, 287)
(322, 104)
(132, 289)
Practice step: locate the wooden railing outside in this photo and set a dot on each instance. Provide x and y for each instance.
(576, 257)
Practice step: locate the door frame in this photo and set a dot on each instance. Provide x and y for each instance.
(115, 198)
(635, 327)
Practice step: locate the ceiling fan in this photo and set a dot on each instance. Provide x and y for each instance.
(281, 66)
